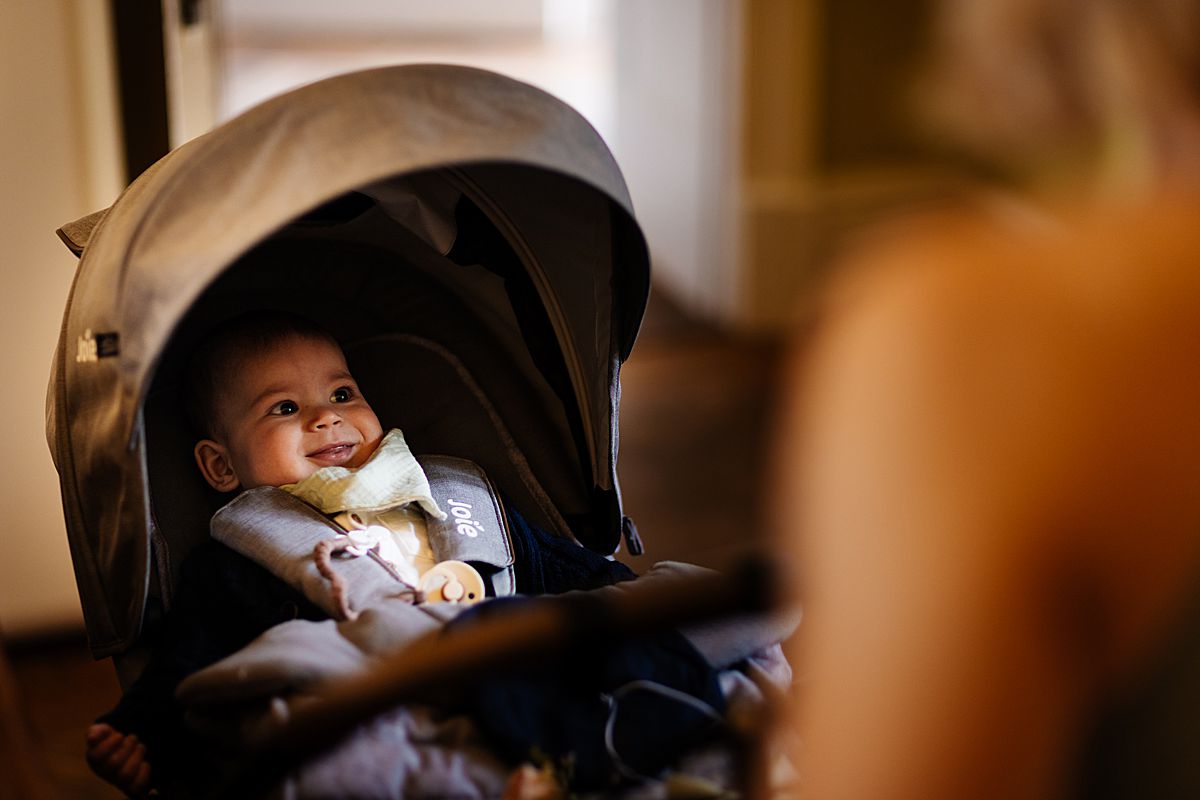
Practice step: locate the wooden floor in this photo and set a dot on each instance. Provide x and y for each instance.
(696, 410)
(62, 690)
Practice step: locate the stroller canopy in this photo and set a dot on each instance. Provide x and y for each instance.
(461, 230)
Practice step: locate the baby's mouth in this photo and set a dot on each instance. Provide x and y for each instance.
(334, 454)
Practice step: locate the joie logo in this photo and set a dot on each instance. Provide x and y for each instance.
(92, 348)
(465, 522)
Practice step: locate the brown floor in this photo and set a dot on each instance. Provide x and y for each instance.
(62, 690)
(695, 414)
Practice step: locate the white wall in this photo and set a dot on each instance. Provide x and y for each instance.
(192, 65)
(571, 56)
(383, 17)
(59, 159)
(678, 121)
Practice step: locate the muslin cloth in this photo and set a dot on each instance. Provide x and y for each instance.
(391, 477)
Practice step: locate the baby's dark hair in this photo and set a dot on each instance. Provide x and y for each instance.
(208, 368)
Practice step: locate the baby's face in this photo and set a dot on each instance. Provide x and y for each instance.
(291, 410)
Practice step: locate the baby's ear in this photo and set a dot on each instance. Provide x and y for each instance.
(215, 466)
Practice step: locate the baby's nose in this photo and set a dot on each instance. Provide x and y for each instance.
(326, 416)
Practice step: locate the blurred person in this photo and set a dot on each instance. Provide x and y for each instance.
(996, 441)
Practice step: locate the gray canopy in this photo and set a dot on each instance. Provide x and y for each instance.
(467, 237)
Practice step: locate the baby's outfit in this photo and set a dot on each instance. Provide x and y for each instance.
(265, 558)
(226, 597)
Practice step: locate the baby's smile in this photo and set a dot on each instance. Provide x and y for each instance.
(336, 454)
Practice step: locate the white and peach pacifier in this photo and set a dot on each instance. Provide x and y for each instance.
(452, 582)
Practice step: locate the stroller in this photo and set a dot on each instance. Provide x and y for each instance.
(468, 238)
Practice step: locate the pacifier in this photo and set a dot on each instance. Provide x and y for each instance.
(452, 582)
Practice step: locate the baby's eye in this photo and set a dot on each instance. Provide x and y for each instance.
(285, 408)
(342, 394)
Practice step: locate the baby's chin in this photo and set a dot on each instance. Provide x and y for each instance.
(287, 478)
(364, 453)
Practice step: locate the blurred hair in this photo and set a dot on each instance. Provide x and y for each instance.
(211, 366)
(1022, 79)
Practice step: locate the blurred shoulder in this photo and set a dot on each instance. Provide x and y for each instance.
(959, 262)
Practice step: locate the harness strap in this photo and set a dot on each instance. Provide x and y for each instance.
(285, 535)
(475, 529)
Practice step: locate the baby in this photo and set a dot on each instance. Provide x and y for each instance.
(277, 401)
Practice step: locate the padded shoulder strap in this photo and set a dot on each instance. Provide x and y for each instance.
(475, 528)
(280, 532)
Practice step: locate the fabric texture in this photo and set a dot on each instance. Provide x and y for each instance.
(282, 533)
(603, 711)
(561, 709)
(224, 600)
(608, 710)
(293, 540)
(390, 477)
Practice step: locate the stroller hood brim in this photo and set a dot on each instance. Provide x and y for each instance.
(192, 214)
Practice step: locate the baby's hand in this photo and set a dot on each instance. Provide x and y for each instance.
(528, 782)
(118, 759)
